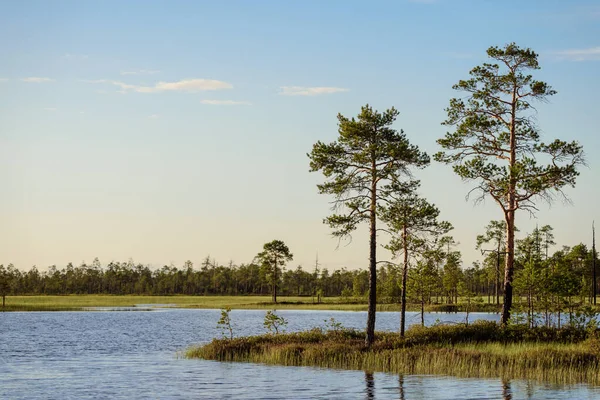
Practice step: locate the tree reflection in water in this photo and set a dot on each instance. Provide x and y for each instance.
(506, 390)
(401, 386)
(370, 386)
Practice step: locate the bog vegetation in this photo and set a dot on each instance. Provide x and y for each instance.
(483, 349)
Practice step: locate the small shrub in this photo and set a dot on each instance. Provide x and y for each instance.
(333, 325)
(346, 294)
(593, 343)
(274, 322)
(224, 323)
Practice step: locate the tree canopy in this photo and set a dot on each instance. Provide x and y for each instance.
(274, 256)
(497, 145)
(368, 154)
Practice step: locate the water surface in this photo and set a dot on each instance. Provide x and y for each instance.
(133, 355)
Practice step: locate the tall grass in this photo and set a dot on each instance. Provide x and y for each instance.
(77, 302)
(483, 349)
(37, 307)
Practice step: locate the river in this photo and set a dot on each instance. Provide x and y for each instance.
(137, 355)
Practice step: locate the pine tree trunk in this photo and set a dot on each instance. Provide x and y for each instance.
(404, 277)
(594, 280)
(509, 215)
(372, 261)
(498, 275)
(509, 268)
(275, 282)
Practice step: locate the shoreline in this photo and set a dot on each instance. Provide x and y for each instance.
(482, 349)
(24, 303)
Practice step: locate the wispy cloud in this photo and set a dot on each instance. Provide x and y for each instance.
(3, 79)
(190, 85)
(185, 85)
(226, 103)
(589, 54)
(140, 72)
(36, 79)
(122, 85)
(309, 91)
(153, 116)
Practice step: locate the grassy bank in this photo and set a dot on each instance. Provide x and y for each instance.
(79, 302)
(483, 349)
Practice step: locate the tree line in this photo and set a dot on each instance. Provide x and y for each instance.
(545, 279)
(208, 278)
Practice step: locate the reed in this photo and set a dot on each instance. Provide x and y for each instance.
(483, 349)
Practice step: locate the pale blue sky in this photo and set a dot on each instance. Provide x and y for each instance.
(170, 130)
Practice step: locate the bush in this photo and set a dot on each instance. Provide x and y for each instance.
(224, 323)
(274, 322)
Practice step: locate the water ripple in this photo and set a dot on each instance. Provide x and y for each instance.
(133, 355)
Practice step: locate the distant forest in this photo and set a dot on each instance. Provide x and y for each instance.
(543, 279)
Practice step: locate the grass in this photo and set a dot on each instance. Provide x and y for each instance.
(79, 302)
(483, 349)
(37, 307)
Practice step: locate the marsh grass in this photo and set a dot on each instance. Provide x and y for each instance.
(79, 302)
(483, 349)
(37, 307)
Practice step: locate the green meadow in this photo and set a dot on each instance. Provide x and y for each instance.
(80, 302)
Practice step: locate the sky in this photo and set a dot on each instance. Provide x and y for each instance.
(166, 131)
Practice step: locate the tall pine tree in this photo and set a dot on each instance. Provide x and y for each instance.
(497, 145)
(368, 154)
